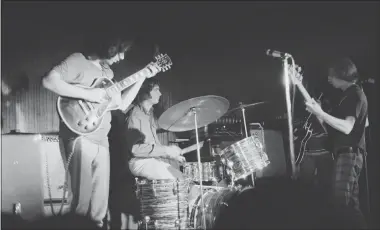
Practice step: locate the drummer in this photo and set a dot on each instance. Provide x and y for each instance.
(150, 159)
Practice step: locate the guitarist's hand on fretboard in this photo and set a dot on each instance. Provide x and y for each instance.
(154, 69)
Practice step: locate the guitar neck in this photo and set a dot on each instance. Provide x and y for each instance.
(126, 82)
(304, 92)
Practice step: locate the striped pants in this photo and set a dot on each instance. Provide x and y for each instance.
(347, 168)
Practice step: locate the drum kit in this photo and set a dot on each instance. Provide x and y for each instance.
(188, 203)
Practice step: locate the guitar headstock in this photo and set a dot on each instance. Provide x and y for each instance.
(163, 61)
(295, 74)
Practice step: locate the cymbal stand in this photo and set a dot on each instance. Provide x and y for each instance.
(199, 166)
(246, 135)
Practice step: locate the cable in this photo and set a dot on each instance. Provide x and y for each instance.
(366, 170)
(65, 178)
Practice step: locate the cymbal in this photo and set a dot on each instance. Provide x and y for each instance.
(180, 117)
(247, 106)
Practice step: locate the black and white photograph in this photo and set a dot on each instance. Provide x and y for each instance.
(189, 115)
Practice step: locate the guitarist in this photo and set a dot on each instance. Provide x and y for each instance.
(346, 127)
(89, 165)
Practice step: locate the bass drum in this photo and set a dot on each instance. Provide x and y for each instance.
(216, 202)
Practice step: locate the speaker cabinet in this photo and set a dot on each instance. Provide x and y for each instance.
(274, 147)
(31, 164)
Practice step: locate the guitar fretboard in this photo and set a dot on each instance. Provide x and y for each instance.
(125, 83)
(304, 92)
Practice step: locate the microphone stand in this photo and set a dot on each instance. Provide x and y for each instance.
(286, 79)
(366, 176)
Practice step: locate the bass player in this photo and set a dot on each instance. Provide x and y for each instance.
(346, 129)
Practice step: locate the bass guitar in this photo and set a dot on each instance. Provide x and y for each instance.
(84, 117)
(305, 133)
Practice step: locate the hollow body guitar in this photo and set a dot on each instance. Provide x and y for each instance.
(85, 117)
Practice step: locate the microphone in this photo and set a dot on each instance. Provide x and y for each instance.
(277, 54)
(369, 81)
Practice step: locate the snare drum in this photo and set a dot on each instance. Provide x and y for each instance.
(215, 204)
(163, 203)
(211, 171)
(245, 157)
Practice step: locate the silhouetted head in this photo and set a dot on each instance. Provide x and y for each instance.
(342, 73)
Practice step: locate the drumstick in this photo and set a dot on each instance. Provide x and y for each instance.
(191, 148)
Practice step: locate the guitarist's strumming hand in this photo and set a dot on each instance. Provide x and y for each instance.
(318, 117)
(96, 95)
(314, 107)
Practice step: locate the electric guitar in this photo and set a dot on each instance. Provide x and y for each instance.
(84, 117)
(304, 133)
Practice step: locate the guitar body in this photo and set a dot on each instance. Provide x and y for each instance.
(301, 145)
(84, 117)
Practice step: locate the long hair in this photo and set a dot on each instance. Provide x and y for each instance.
(105, 48)
(345, 69)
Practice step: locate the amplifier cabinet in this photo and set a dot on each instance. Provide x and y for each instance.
(31, 164)
(274, 147)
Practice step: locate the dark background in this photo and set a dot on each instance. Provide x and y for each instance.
(218, 48)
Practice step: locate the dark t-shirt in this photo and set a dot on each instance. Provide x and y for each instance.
(352, 103)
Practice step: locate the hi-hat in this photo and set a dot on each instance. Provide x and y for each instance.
(180, 117)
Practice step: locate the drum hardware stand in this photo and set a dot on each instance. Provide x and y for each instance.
(144, 222)
(253, 175)
(199, 166)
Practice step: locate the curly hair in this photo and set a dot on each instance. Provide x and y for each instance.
(144, 92)
(105, 48)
